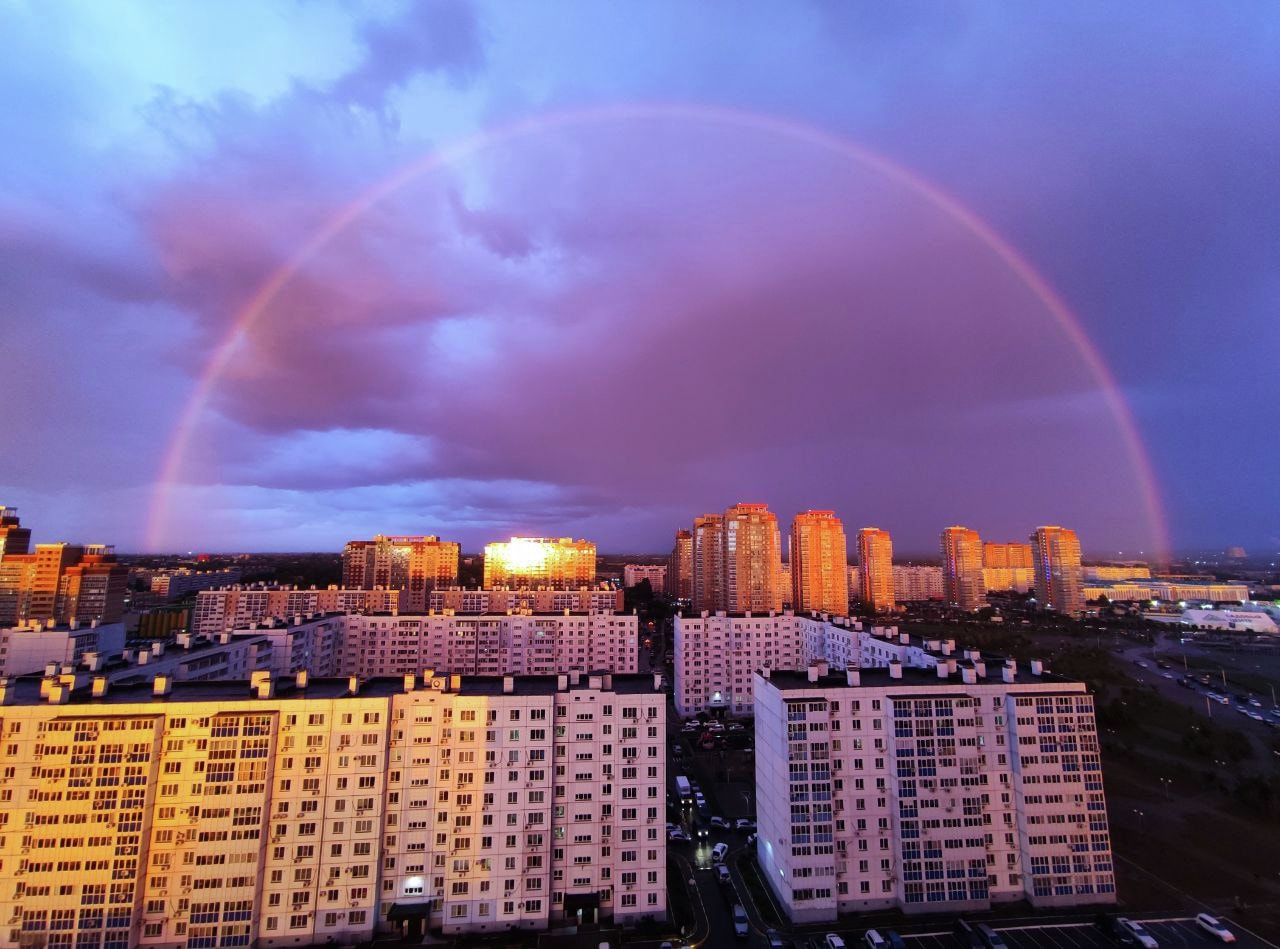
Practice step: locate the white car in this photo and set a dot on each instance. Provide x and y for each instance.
(1135, 929)
(834, 941)
(1214, 927)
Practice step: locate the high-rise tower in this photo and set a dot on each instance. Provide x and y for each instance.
(707, 552)
(680, 566)
(415, 564)
(962, 581)
(819, 558)
(1059, 578)
(875, 555)
(563, 564)
(752, 559)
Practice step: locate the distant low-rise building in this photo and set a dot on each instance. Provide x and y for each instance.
(656, 574)
(175, 584)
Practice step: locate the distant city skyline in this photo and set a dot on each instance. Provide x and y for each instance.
(281, 275)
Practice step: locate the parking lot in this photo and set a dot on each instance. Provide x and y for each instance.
(1179, 933)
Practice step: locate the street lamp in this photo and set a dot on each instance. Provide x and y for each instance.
(1141, 823)
(1168, 787)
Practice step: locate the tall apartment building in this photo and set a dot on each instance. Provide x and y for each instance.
(819, 562)
(93, 589)
(962, 569)
(707, 550)
(563, 563)
(61, 582)
(1059, 578)
(309, 810)
(752, 559)
(917, 583)
(221, 611)
(416, 565)
(875, 556)
(655, 573)
(14, 538)
(680, 566)
(943, 790)
(1007, 566)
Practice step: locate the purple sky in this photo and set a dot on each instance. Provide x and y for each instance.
(604, 327)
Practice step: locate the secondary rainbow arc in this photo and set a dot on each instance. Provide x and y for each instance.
(466, 147)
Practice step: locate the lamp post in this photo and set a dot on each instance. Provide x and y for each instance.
(1141, 822)
(1168, 788)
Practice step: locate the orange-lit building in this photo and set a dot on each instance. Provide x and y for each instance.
(875, 555)
(962, 582)
(819, 560)
(562, 563)
(416, 565)
(680, 566)
(707, 555)
(1059, 577)
(1007, 566)
(95, 588)
(752, 559)
(14, 538)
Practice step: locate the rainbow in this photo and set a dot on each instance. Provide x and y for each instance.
(258, 305)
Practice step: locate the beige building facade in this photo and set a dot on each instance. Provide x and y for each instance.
(818, 557)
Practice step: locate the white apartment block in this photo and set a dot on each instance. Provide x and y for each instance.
(717, 654)
(370, 645)
(582, 600)
(28, 649)
(310, 810)
(916, 583)
(488, 644)
(527, 801)
(221, 611)
(656, 574)
(942, 790)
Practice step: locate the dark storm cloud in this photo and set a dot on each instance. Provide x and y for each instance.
(613, 327)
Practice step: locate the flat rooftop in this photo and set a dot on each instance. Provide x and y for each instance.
(26, 690)
(915, 679)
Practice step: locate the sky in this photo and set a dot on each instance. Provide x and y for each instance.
(276, 275)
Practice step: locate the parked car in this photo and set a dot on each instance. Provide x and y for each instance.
(1140, 935)
(719, 852)
(720, 823)
(834, 941)
(894, 940)
(873, 940)
(1214, 927)
(775, 939)
(677, 836)
(751, 838)
(745, 823)
(741, 928)
(722, 874)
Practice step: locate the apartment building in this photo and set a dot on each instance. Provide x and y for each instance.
(655, 573)
(30, 648)
(413, 565)
(221, 611)
(581, 600)
(929, 790)
(716, 655)
(534, 562)
(487, 644)
(527, 801)
(304, 811)
(175, 584)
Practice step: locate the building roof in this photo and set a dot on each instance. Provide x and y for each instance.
(880, 678)
(25, 690)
